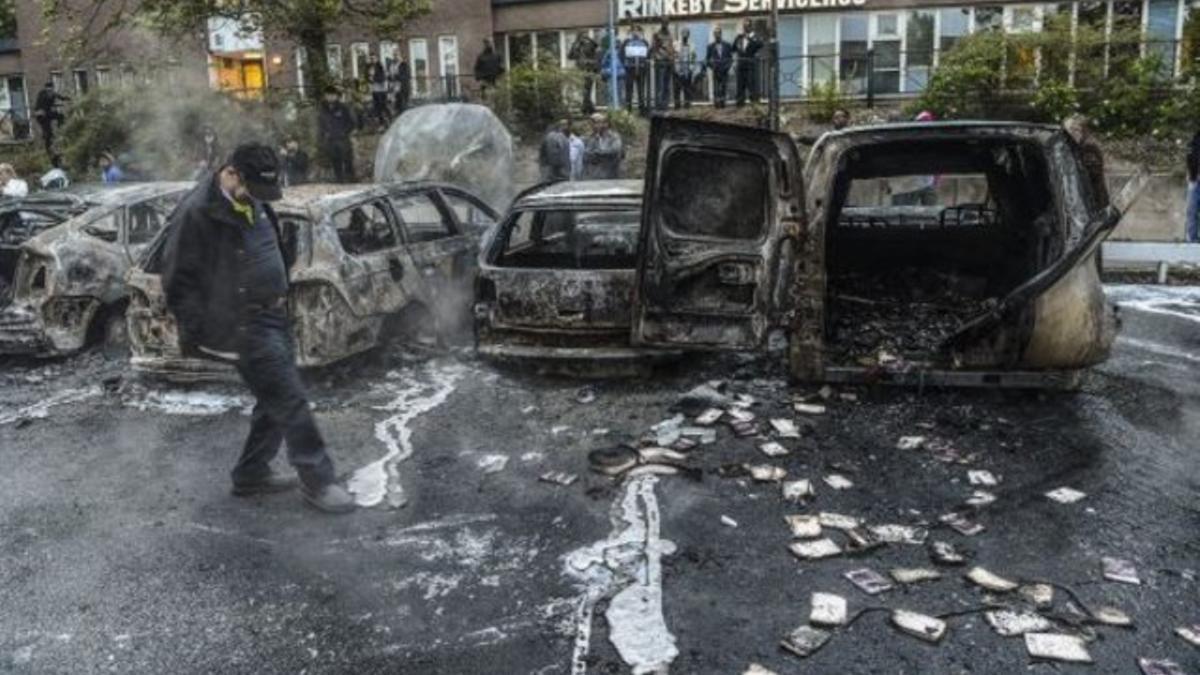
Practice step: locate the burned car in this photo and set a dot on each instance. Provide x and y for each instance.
(69, 280)
(22, 218)
(953, 253)
(363, 258)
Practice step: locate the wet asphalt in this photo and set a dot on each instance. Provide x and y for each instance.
(121, 549)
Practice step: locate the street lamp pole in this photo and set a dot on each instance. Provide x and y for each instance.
(613, 102)
(773, 96)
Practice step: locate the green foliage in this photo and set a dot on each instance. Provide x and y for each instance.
(163, 134)
(1054, 100)
(28, 159)
(1128, 105)
(627, 124)
(967, 81)
(530, 99)
(824, 100)
(8, 19)
(1190, 47)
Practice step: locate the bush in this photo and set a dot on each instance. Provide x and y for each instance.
(968, 81)
(1053, 101)
(529, 99)
(824, 100)
(1128, 104)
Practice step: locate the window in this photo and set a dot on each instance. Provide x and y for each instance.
(954, 27)
(57, 78)
(469, 214)
(333, 58)
(791, 54)
(919, 49)
(448, 62)
(1021, 60)
(520, 49)
(822, 49)
(563, 239)
(389, 52)
(1056, 54)
(886, 44)
(418, 58)
(80, 78)
(103, 77)
(1090, 39)
(359, 53)
(1161, 22)
(689, 206)
(549, 49)
(421, 218)
(364, 229)
(852, 61)
(989, 18)
(104, 228)
(147, 218)
(301, 70)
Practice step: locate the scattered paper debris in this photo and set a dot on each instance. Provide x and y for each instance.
(859, 540)
(816, 549)
(528, 409)
(1190, 633)
(899, 534)
(983, 578)
(785, 428)
(744, 429)
(1057, 647)
(1118, 569)
(838, 521)
(766, 473)
(914, 575)
(1160, 667)
(927, 628)
(558, 478)
(728, 522)
(1111, 616)
(980, 498)
(740, 415)
(838, 482)
(585, 395)
(869, 581)
(805, 640)
(982, 477)
(684, 444)
(709, 417)
(1011, 623)
(653, 470)
(828, 609)
(1065, 495)
(656, 455)
(804, 526)
(1041, 595)
(493, 463)
(809, 408)
(961, 524)
(910, 443)
(848, 397)
(945, 553)
(773, 449)
(756, 669)
(797, 490)
(704, 435)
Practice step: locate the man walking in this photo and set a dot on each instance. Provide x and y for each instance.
(46, 112)
(335, 121)
(226, 282)
(585, 53)
(746, 46)
(719, 60)
(488, 68)
(554, 157)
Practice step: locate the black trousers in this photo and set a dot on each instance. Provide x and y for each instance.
(267, 364)
(684, 90)
(746, 86)
(589, 80)
(380, 110)
(720, 89)
(341, 160)
(47, 126)
(636, 82)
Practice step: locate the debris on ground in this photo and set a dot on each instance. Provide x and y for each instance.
(559, 478)
(992, 582)
(838, 482)
(869, 581)
(914, 575)
(701, 399)
(945, 553)
(1012, 623)
(1123, 571)
(982, 478)
(828, 609)
(1190, 633)
(766, 473)
(805, 640)
(899, 534)
(927, 628)
(657, 455)
(1160, 667)
(756, 669)
(1065, 495)
(809, 408)
(1111, 616)
(1041, 595)
(585, 395)
(612, 461)
(804, 526)
(493, 463)
(1057, 647)
(859, 540)
(980, 498)
(728, 522)
(701, 435)
(838, 521)
(773, 449)
(961, 524)
(797, 490)
(910, 443)
(816, 549)
(709, 417)
(785, 428)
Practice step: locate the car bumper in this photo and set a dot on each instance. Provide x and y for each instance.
(21, 333)
(183, 370)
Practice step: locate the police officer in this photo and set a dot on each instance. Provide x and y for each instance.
(226, 282)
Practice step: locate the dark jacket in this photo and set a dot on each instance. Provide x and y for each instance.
(201, 268)
(747, 48)
(586, 54)
(554, 157)
(488, 66)
(1193, 158)
(719, 57)
(335, 121)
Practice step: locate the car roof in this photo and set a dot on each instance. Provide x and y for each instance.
(111, 194)
(875, 133)
(583, 193)
(335, 196)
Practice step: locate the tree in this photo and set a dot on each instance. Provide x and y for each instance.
(8, 19)
(306, 22)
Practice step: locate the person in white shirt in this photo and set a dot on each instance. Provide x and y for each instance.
(55, 178)
(576, 146)
(10, 184)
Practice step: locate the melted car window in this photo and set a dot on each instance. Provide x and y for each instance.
(467, 212)
(919, 200)
(364, 229)
(103, 228)
(714, 194)
(566, 239)
(422, 219)
(147, 218)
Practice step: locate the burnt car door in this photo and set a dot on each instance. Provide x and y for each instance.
(444, 254)
(143, 221)
(376, 270)
(722, 211)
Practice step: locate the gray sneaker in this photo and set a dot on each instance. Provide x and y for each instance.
(332, 498)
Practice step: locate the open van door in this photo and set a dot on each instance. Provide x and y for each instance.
(720, 202)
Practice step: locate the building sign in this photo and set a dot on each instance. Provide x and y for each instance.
(667, 9)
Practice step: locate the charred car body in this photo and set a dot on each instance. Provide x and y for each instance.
(959, 253)
(21, 219)
(362, 256)
(69, 279)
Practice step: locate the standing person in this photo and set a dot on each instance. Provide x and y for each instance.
(586, 55)
(110, 172)
(10, 184)
(56, 178)
(295, 163)
(1192, 226)
(488, 68)
(208, 153)
(335, 121)
(719, 59)
(841, 119)
(612, 69)
(46, 112)
(577, 148)
(401, 81)
(1092, 157)
(554, 157)
(377, 81)
(635, 54)
(747, 46)
(225, 279)
(685, 70)
(603, 151)
(662, 53)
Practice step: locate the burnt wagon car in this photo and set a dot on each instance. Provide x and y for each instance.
(22, 218)
(69, 278)
(363, 258)
(953, 253)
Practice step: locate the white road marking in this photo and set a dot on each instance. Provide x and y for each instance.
(190, 403)
(1158, 348)
(417, 394)
(41, 409)
(628, 567)
(1181, 302)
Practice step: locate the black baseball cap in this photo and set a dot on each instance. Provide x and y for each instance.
(259, 168)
